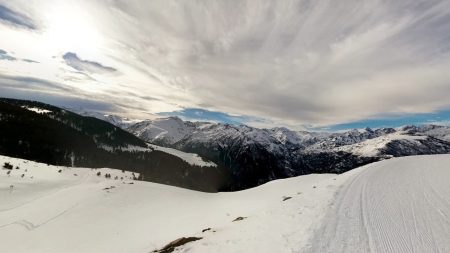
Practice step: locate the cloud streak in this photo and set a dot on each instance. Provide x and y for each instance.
(294, 62)
(5, 56)
(15, 18)
(197, 114)
(299, 61)
(32, 84)
(75, 62)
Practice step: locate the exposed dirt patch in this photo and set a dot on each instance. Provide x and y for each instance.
(286, 198)
(239, 219)
(177, 243)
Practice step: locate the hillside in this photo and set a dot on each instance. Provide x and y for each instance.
(75, 210)
(397, 205)
(44, 133)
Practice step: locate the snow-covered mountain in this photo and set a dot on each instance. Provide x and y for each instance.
(255, 156)
(116, 120)
(164, 130)
(174, 132)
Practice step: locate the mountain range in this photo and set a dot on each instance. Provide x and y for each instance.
(254, 156)
(202, 156)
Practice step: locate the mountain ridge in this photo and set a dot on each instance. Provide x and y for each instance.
(48, 134)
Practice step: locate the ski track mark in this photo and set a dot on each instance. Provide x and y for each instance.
(390, 207)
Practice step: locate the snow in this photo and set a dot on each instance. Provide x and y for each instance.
(171, 129)
(371, 147)
(398, 205)
(284, 135)
(37, 110)
(116, 120)
(120, 121)
(439, 132)
(190, 158)
(60, 212)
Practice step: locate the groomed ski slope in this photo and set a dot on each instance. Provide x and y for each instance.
(399, 205)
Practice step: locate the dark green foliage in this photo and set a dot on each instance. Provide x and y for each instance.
(253, 165)
(65, 138)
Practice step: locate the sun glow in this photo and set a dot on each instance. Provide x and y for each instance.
(70, 27)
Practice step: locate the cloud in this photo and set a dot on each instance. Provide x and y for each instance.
(298, 62)
(75, 62)
(295, 63)
(32, 84)
(30, 88)
(14, 18)
(197, 114)
(60, 100)
(30, 61)
(5, 56)
(437, 118)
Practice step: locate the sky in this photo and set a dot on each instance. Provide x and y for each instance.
(301, 64)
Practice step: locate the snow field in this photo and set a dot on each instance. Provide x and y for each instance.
(60, 212)
(398, 205)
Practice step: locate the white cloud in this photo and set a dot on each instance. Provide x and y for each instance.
(290, 62)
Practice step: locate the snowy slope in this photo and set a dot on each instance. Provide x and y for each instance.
(171, 126)
(439, 132)
(373, 147)
(398, 205)
(48, 134)
(37, 110)
(190, 158)
(165, 130)
(61, 212)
